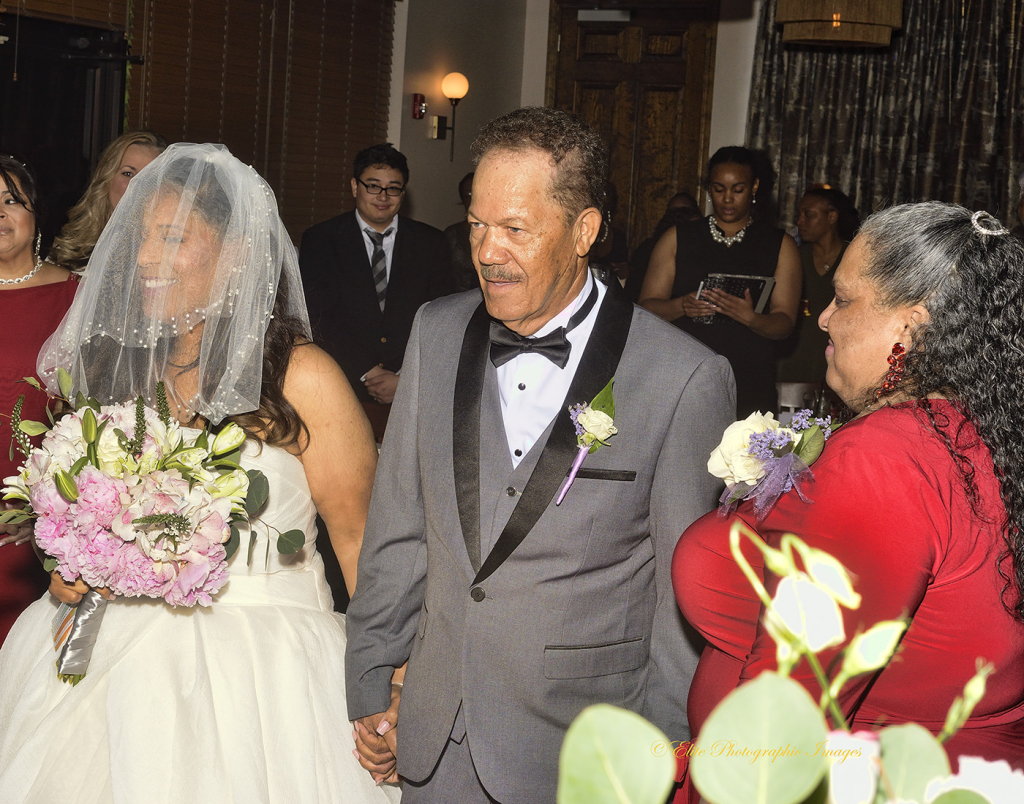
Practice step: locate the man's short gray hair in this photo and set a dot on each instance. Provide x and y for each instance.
(579, 154)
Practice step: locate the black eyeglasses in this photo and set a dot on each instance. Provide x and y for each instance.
(376, 189)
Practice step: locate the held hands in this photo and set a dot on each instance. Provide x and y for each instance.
(71, 593)
(381, 384)
(376, 739)
(694, 307)
(736, 308)
(14, 532)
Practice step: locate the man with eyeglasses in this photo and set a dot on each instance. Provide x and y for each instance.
(365, 274)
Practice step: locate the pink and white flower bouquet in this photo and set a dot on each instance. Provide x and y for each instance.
(151, 514)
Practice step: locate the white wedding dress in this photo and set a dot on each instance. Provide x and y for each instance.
(243, 701)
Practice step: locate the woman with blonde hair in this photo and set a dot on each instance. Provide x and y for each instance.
(118, 164)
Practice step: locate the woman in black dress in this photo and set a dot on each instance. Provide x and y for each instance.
(729, 241)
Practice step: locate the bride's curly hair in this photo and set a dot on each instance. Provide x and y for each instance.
(968, 272)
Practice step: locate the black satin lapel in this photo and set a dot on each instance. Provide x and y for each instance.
(469, 386)
(597, 367)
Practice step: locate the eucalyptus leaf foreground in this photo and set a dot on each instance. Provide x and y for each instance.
(611, 756)
(764, 744)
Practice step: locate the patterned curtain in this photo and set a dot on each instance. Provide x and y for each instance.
(938, 115)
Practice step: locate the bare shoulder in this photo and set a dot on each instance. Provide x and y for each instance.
(313, 379)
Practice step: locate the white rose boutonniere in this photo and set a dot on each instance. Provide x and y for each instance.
(595, 424)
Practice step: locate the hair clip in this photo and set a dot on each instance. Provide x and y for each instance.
(987, 230)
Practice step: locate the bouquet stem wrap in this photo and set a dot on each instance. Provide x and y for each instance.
(75, 629)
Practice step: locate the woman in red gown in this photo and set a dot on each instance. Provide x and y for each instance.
(34, 296)
(921, 496)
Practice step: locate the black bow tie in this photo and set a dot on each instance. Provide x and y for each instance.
(506, 344)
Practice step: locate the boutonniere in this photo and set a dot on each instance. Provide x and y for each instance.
(595, 424)
(760, 459)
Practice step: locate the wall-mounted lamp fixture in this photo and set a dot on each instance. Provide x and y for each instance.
(419, 106)
(454, 86)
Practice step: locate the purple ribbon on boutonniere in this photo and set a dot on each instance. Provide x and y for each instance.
(595, 424)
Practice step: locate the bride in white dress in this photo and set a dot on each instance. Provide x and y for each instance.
(194, 282)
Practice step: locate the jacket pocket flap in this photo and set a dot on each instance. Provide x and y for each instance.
(589, 661)
(605, 474)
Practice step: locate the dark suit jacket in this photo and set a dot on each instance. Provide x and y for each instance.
(342, 299)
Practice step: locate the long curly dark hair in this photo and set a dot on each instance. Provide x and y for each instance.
(968, 272)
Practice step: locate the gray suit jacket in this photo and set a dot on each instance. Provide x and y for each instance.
(523, 611)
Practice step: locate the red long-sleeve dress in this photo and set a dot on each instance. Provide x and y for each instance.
(890, 504)
(28, 316)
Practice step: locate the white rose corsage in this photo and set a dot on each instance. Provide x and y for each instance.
(760, 459)
(595, 424)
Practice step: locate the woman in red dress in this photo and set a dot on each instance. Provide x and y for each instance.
(921, 496)
(34, 296)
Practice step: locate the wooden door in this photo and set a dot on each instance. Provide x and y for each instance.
(645, 85)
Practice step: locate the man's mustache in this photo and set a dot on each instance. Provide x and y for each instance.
(498, 273)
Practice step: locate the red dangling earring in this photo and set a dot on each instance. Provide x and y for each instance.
(894, 376)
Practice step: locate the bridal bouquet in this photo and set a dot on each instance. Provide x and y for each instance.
(759, 459)
(151, 514)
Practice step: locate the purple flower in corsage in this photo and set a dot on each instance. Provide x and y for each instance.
(595, 424)
(760, 459)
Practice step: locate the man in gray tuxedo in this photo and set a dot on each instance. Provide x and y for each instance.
(515, 612)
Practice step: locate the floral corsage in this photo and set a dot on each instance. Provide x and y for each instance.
(759, 459)
(595, 424)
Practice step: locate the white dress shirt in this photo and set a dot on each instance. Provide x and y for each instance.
(532, 387)
(389, 241)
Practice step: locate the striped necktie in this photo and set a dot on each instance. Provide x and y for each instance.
(379, 264)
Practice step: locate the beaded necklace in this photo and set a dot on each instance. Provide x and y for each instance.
(720, 237)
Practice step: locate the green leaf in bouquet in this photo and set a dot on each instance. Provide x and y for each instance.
(49, 415)
(252, 547)
(611, 756)
(963, 705)
(231, 545)
(10, 452)
(34, 383)
(93, 455)
(93, 403)
(81, 401)
(911, 758)
(203, 440)
(33, 428)
(64, 383)
(259, 492)
(66, 486)
(231, 459)
(49, 563)
(761, 745)
(291, 541)
(89, 426)
(604, 401)
(961, 796)
(79, 465)
(15, 516)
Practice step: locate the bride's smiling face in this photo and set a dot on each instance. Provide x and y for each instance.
(177, 262)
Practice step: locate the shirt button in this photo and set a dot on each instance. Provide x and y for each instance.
(511, 491)
(522, 386)
(519, 453)
(477, 593)
(383, 340)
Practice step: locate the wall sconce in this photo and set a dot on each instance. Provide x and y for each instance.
(419, 106)
(454, 86)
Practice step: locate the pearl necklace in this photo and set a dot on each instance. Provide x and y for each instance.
(26, 277)
(720, 237)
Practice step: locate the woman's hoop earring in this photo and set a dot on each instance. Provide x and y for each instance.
(897, 366)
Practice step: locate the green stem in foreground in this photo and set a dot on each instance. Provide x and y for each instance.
(833, 707)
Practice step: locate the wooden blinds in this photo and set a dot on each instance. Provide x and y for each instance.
(292, 87)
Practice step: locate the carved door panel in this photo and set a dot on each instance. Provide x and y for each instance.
(645, 85)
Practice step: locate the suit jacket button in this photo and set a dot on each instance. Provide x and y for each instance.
(511, 491)
(477, 593)
(383, 340)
